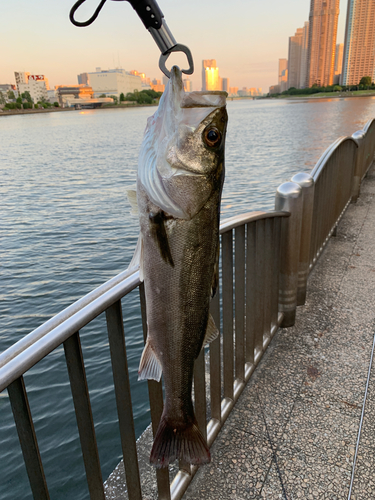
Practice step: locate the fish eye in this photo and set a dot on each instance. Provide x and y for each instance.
(212, 136)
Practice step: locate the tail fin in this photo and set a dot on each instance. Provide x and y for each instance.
(185, 443)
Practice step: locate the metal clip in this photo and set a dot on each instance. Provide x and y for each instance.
(177, 48)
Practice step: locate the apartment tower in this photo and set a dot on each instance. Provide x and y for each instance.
(210, 75)
(322, 41)
(359, 46)
(338, 62)
(294, 58)
(304, 52)
(283, 69)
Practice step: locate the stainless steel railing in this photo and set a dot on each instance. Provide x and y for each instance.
(265, 261)
(248, 289)
(366, 149)
(333, 176)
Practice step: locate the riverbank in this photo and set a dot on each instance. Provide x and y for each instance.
(330, 95)
(56, 110)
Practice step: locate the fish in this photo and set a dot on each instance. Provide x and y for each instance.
(179, 184)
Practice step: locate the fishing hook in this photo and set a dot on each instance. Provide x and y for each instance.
(153, 20)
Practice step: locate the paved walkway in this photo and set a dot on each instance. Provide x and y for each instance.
(310, 387)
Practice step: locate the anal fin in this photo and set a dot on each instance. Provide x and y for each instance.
(149, 366)
(212, 331)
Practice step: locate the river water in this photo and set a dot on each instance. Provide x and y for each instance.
(65, 228)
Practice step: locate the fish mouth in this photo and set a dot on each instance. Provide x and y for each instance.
(176, 81)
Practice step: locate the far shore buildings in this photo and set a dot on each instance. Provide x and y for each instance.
(283, 75)
(294, 59)
(36, 85)
(312, 49)
(303, 74)
(111, 82)
(323, 21)
(338, 62)
(188, 86)
(210, 76)
(359, 46)
(79, 96)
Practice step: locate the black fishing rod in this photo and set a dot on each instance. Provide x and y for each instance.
(153, 20)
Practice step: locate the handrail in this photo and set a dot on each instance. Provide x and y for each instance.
(239, 220)
(103, 291)
(317, 170)
(59, 318)
(368, 125)
(39, 348)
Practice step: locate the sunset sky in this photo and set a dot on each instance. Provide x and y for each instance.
(246, 37)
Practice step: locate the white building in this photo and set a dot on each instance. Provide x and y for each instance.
(52, 96)
(114, 82)
(36, 85)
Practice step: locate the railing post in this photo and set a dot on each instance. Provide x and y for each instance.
(289, 199)
(359, 137)
(307, 184)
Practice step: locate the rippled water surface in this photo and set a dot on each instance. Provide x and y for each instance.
(65, 228)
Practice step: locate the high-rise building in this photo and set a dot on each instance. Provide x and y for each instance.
(304, 49)
(294, 58)
(225, 84)
(283, 68)
(283, 74)
(338, 62)
(188, 85)
(210, 75)
(322, 41)
(359, 47)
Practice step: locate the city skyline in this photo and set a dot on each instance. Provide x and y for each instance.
(245, 39)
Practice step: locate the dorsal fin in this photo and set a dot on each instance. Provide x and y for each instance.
(131, 192)
(137, 260)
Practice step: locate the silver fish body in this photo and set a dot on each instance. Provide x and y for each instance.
(179, 223)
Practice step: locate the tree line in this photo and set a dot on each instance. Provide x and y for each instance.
(148, 96)
(364, 84)
(24, 101)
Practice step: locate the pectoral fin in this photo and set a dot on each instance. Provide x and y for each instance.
(157, 228)
(211, 332)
